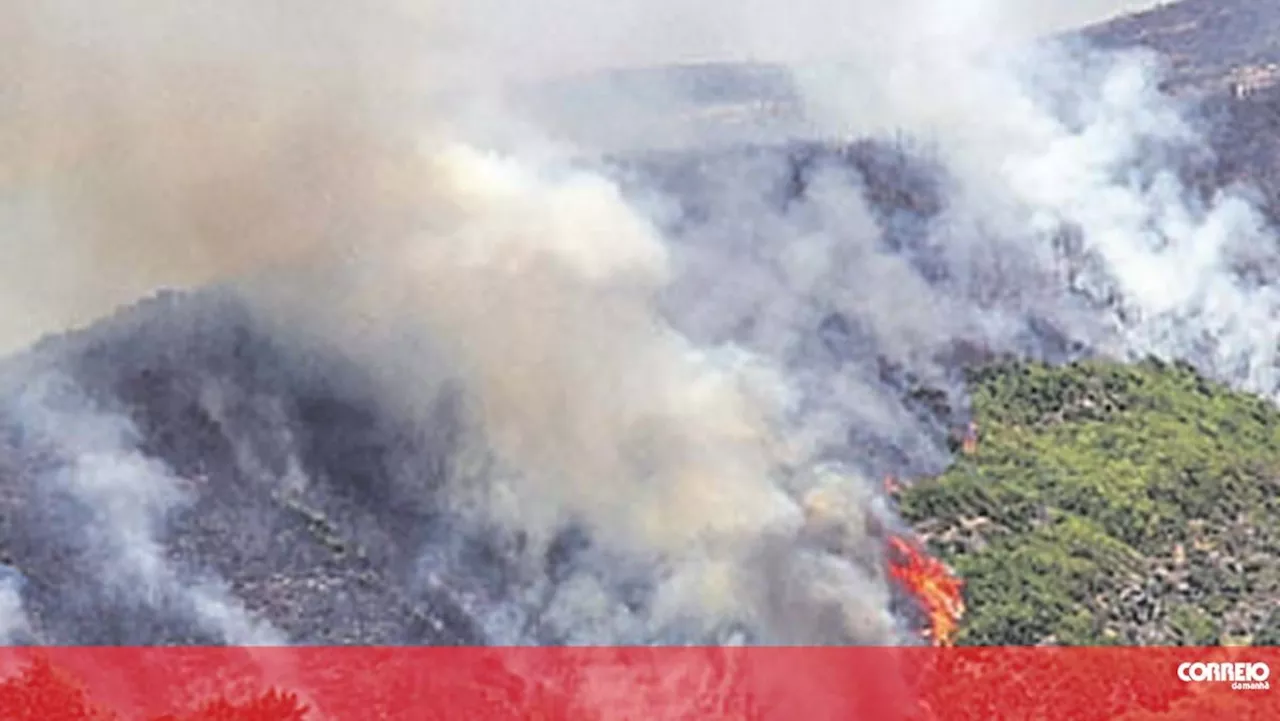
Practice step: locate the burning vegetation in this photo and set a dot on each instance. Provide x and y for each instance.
(1111, 504)
(932, 585)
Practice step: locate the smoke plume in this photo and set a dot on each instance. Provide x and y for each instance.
(127, 497)
(13, 620)
(150, 145)
(359, 172)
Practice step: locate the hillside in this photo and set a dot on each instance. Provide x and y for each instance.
(1111, 504)
(1212, 49)
(1104, 503)
(312, 502)
(223, 421)
(1211, 45)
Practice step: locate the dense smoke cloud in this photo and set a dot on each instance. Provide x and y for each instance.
(1083, 144)
(150, 144)
(177, 147)
(356, 170)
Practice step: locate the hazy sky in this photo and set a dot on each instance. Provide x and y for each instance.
(571, 35)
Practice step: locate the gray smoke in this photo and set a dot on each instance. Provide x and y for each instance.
(1061, 224)
(13, 620)
(126, 498)
(705, 379)
(1085, 144)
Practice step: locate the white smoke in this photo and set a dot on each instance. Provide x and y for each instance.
(657, 387)
(13, 619)
(129, 498)
(539, 289)
(1037, 144)
(1065, 138)
(1175, 260)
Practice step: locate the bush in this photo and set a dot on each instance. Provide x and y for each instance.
(1109, 503)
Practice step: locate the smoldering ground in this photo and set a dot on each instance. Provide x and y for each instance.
(696, 364)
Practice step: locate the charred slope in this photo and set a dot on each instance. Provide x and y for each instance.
(1245, 135)
(175, 471)
(1210, 44)
(227, 415)
(1225, 54)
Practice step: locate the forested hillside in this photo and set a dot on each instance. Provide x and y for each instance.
(1111, 504)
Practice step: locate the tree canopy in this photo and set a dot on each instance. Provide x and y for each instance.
(1111, 504)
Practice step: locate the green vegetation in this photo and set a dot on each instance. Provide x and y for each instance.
(1111, 504)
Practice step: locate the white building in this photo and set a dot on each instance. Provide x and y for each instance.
(1247, 80)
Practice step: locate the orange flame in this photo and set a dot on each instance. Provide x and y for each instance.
(891, 485)
(932, 584)
(970, 445)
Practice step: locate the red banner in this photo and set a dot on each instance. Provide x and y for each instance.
(368, 684)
